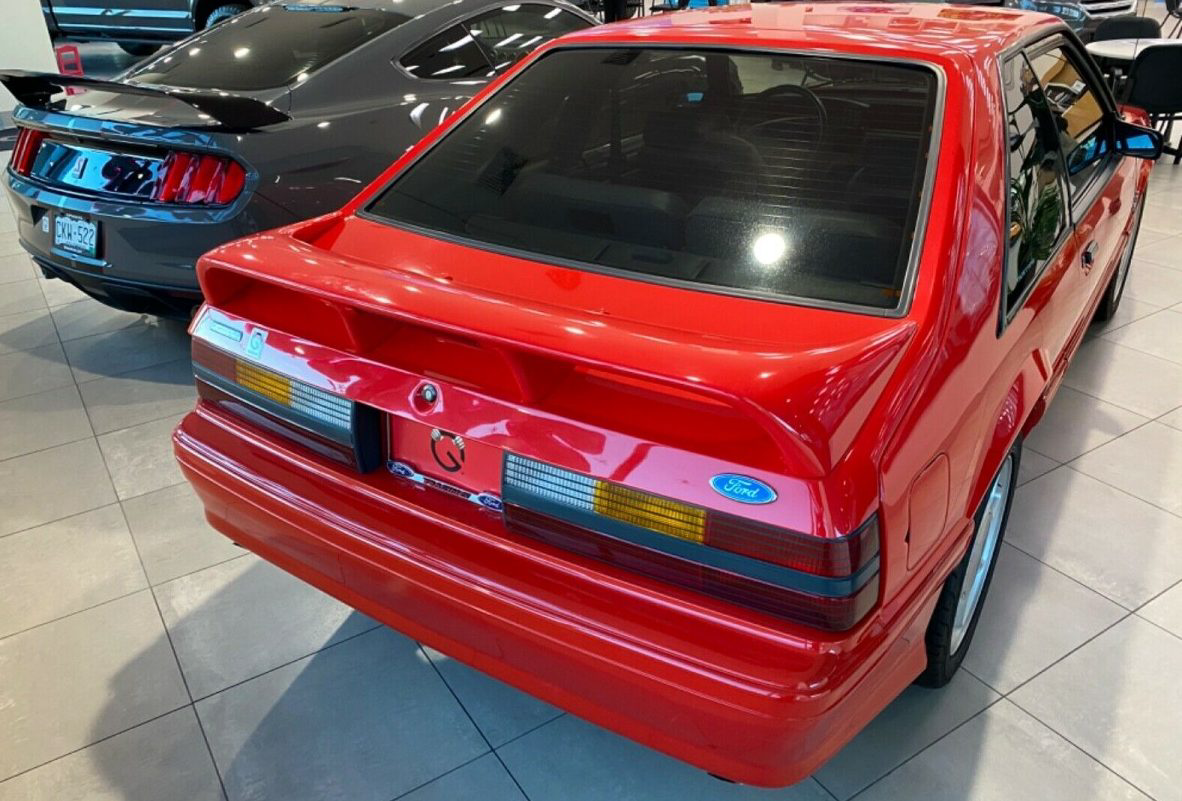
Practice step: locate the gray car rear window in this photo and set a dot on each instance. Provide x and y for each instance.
(781, 175)
(269, 47)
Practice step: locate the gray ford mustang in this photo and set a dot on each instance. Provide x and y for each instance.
(273, 116)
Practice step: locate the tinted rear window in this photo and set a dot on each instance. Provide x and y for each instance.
(270, 47)
(793, 176)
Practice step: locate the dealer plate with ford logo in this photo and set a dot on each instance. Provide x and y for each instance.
(75, 235)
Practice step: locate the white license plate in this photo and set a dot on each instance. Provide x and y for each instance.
(76, 235)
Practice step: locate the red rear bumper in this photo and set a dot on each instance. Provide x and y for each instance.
(738, 694)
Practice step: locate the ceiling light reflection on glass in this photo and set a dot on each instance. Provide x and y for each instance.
(768, 248)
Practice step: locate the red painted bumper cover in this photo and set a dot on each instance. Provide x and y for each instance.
(735, 693)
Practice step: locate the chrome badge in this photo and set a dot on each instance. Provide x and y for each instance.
(743, 489)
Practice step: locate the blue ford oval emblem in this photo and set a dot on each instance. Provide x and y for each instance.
(743, 489)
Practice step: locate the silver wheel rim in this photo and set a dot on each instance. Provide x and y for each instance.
(981, 555)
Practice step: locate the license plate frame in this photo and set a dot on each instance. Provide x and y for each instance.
(445, 461)
(76, 235)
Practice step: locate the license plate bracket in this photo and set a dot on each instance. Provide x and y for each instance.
(445, 461)
(76, 235)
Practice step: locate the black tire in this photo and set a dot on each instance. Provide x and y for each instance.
(223, 13)
(1116, 285)
(943, 660)
(138, 50)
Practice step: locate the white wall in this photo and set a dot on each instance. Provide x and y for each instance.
(24, 43)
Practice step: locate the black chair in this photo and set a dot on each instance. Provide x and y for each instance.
(1173, 12)
(1153, 85)
(1127, 28)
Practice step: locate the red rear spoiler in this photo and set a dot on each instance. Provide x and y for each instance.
(233, 112)
(354, 306)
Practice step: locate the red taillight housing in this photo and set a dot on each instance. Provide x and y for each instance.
(28, 142)
(826, 582)
(199, 179)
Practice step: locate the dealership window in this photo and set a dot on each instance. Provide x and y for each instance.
(777, 175)
(490, 42)
(1037, 188)
(1078, 114)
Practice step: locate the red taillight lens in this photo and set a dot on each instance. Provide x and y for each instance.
(193, 179)
(28, 142)
(828, 582)
(832, 613)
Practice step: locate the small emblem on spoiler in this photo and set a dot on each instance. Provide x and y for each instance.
(743, 489)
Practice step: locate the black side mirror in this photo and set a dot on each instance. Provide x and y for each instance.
(1137, 141)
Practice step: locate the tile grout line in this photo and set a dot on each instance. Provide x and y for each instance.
(472, 720)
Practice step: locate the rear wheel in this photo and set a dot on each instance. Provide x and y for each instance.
(224, 12)
(955, 618)
(1116, 285)
(138, 50)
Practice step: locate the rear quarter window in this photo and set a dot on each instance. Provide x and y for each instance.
(271, 46)
(784, 176)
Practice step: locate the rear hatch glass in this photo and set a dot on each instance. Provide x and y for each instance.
(784, 176)
(267, 48)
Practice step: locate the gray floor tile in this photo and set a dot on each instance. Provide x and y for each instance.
(500, 711)
(367, 720)
(1126, 377)
(1076, 423)
(1033, 465)
(162, 760)
(140, 458)
(1166, 252)
(72, 682)
(1129, 311)
(238, 619)
(912, 722)
(1153, 283)
(163, 390)
(1002, 754)
(62, 567)
(1119, 546)
(171, 533)
(1158, 334)
(9, 243)
(1032, 617)
(1117, 698)
(1162, 218)
(51, 484)
(130, 349)
(32, 371)
(573, 760)
(1166, 610)
(1173, 419)
(89, 317)
(26, 330)
(21, 296)
(16, 267)
(484, 779)
(1146, 463)
(35, 422)
(58, 292)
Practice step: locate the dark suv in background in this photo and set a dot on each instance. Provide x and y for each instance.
(138, 26)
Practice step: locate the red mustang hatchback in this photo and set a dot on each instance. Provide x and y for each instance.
(681, 378)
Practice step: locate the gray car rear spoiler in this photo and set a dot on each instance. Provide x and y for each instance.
(234, 112)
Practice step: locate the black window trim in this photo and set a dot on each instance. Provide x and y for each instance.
(463, 23)
(918, 237)
(1078, 203)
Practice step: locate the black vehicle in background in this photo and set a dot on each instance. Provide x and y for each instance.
(138, 26)
(276, 115)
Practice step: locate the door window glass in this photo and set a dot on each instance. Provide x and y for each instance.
(512, 32)
(1077, 112)
(450, 55)
(1037, 211)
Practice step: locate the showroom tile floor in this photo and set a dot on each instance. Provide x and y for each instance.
(144, 657)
